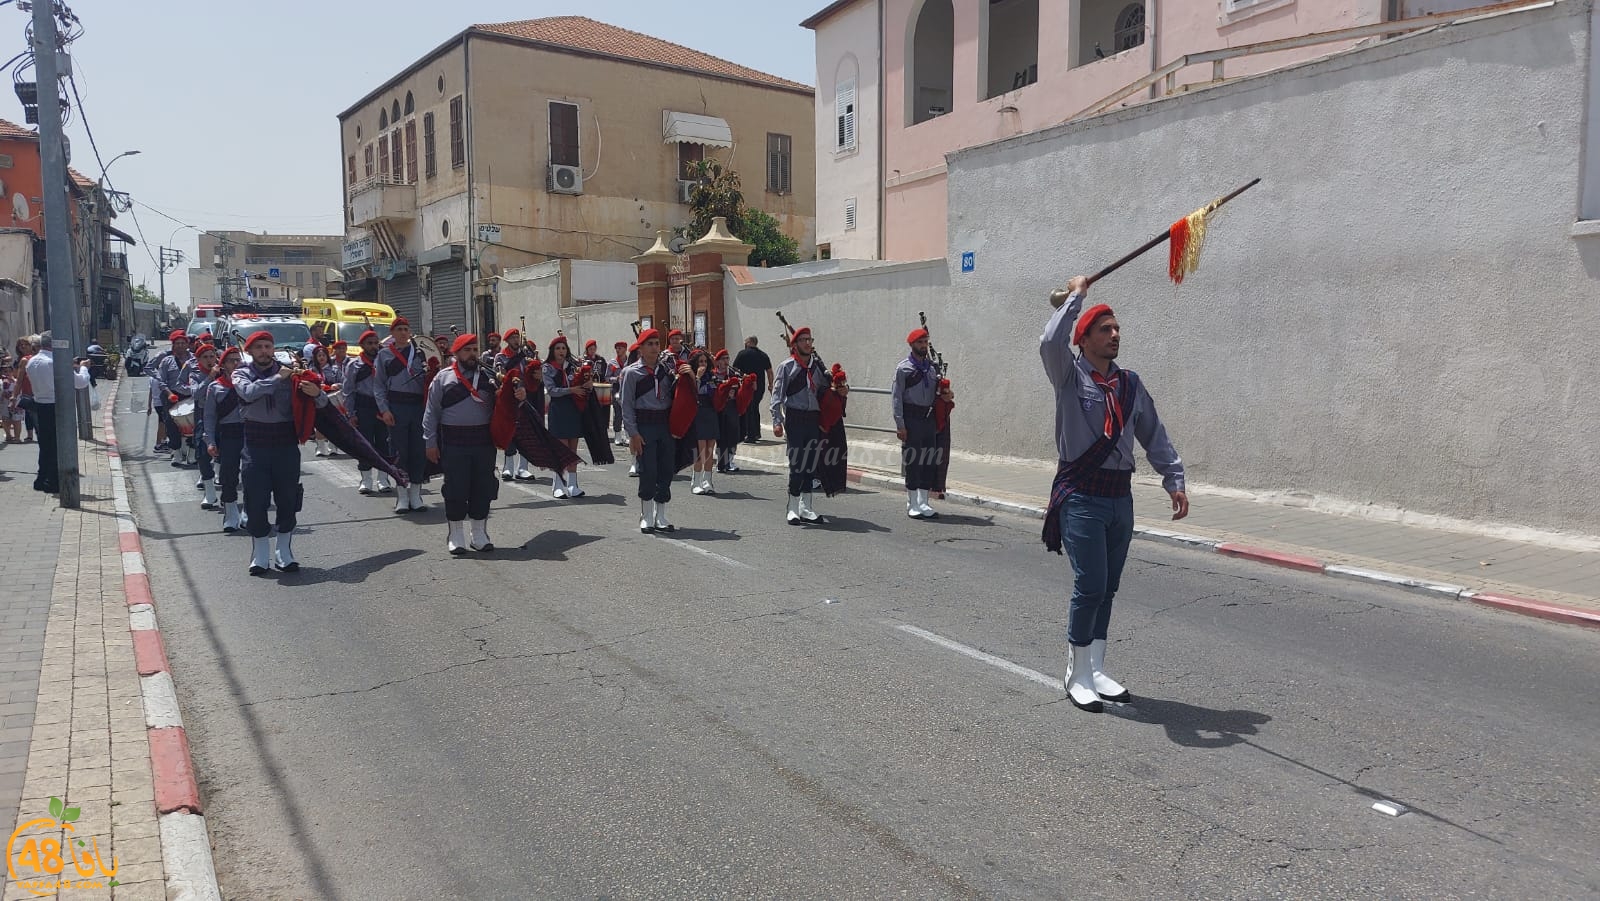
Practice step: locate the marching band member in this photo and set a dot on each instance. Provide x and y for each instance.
(917, 391)
(340, 358)
(613, 373)
(647, 387)
(591, 358)
(511, 359)
(566, 420)
(704, 431)
(321, 362)
(399, 388)
(271, 456)
(1100, 410)
(223, 426)
(734, 395)
(360, 385)
(491, 345)
(456, 428)
(169, 376)
(799, 390)
(201, 376)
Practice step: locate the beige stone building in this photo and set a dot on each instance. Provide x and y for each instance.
(558, 138)
(280, 268)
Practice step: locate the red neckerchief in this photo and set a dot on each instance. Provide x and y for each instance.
(1113, 404)
(811, 383)
(472, 386)
(405, 360)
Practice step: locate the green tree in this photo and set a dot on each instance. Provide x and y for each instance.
(718, 191)
(141, 294)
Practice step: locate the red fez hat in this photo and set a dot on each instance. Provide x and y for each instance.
(916, 335)
(720, 354)
(559, 339)
(399, 321)
(177, 335)
(468, 340)
(262, 335)
(675, 332)
(803, 331)
(343, 344)
(1086, 321)
(369, 333)
(619, 344)
(590, 343)
(511, 332)
(229, 352)
(204, 347)
(646, 335)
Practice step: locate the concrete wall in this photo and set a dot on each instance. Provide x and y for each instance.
(847, 49)
(534, 293)
(1400, 314)
(859, 316)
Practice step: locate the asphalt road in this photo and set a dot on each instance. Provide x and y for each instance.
(754, 709)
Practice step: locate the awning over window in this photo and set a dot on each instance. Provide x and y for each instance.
(688, 128)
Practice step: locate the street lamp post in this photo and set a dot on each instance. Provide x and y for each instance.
(114, 160)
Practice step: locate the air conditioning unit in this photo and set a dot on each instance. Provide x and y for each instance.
(565, 180)
(685, 191)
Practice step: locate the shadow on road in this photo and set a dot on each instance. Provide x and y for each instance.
(1191, 726)
(353, 572)
(830, 523)
(703, 535)
(550, 546)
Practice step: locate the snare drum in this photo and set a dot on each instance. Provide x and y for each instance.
(183, 416)
(602, 393)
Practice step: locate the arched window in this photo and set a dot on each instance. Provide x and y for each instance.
(395, 115)
(1010, 47)
(383, 119)
(411, 106)
(1130, 27)
(931, 63)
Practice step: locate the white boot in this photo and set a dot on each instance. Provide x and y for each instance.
(618, 439)
(199, 484)
(572, 485)
(416, 497)
(402, 501)
(922, 504)
(806, 513)
(177, 453)
(647, 516)
(384, 487)
(366, 486)
(230, 518)
(260, 556)
(1079, 684)
(509, 471)
(285, 557)
(661, 519)
(793, 516)
(210, 502)
(1104, 686)
(913, 506)
(480, 536)
(457, 543)
(322, 447)
(633, 469)
(558, 485)
(696, 482)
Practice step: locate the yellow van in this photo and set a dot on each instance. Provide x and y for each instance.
(345, 320)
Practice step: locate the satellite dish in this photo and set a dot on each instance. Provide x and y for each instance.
(19, 207)
(677, 244)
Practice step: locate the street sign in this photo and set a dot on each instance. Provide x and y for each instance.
(969, 261)
(274, 272)
(489, 234)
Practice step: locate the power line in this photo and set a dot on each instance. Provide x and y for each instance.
(84, 115)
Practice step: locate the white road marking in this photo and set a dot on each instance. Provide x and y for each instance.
(341, 473)
(999, 662)
(705, 553)
(174, 487)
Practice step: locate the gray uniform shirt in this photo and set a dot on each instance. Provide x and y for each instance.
(170, 375)
(450, 403)
(633, 401)
(410, 373)
(215, 391)
(1081, 410)
(804, 399)
(265, 398)
(922, 394)
(359, 378)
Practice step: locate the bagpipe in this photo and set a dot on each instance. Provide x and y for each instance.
(685, 396)
(520, 423)
(737, 388)
(336, 426)
(834, 449)
(594, 416)
(940, 411)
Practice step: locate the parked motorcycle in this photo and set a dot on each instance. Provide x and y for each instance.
(138, 356)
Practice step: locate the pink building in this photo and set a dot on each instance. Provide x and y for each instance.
(913, 80)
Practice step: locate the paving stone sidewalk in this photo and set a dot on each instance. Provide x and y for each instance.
(1477, 562)
(76, 693)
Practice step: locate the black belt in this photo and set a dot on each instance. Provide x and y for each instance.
(915, 410)
(652, 416)
(465, 435)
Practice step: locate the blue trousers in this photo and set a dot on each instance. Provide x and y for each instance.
(406, 439)
(271, 476)
(1097, 533)
(658, 463)
(230, 446)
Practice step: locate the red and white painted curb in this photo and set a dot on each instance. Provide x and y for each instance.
(185, 843)
(1560, 613)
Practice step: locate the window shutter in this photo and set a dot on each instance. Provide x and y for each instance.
(844, 106)
(850, 214)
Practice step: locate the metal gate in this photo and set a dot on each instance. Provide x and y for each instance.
(404, 294)
(447, 285)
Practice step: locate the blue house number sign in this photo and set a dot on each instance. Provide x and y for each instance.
(969, 261)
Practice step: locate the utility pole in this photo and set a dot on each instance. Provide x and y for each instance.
(58, 247)
(170, 258)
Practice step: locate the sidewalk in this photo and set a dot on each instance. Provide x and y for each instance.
(1477, 567)
(75, 724)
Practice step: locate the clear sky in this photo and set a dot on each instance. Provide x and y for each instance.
(232, 104)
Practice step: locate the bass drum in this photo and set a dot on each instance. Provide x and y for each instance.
(430, 348)
(183, 416)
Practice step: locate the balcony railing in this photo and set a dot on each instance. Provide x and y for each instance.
(382, 199)
(115, 262)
